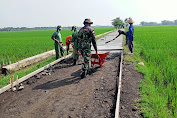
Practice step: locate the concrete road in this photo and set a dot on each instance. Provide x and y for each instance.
(113, 46)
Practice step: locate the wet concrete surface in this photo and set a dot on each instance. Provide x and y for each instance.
(114, 46)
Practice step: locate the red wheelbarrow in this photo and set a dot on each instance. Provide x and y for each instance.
(98, 59)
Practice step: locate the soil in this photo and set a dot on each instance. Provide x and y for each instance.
(130, 94)
(59, 92)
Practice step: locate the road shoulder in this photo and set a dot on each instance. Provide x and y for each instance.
(130, 93)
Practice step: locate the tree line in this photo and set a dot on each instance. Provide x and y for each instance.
(119, 23)
(163, 22)
(42, 28)
(25, 28)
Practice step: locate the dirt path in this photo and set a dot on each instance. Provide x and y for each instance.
(63, 94)
(130, 94)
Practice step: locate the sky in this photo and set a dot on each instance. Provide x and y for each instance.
(46, 13)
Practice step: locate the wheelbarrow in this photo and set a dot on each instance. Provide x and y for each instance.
(98, 59)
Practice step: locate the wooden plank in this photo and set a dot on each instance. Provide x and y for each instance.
(119, 88)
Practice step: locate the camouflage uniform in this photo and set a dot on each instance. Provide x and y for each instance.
(86, 35)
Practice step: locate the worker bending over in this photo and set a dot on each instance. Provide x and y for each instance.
(123, 33)
(68, 41)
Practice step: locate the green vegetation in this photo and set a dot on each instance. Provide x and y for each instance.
(18, 45)
(117, 22)
(157, 48)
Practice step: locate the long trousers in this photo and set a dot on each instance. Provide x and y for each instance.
(130, 45)
(58, 50)
(87, 55)
(67, 48)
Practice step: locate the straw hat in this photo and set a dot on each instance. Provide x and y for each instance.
(130, 21)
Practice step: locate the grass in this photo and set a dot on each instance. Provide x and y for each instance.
(156, 46)
(5, 80)
(18, 45)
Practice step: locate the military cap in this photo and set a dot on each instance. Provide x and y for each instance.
(73, 27)
(87, 21)
(59, 27)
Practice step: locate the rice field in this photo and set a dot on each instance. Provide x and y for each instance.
(157, 48)
(18, 45)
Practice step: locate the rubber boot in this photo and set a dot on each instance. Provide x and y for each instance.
(83, 75)
(74, 62)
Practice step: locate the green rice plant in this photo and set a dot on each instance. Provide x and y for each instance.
(157, 47)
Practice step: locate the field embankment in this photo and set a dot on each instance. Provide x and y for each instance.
(156, 46)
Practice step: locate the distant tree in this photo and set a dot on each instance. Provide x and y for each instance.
(10, 28)
(126, 21)
(175, 22)
(149, 23)
(143, 23)
(166, 22)
(117, 23)
(152, 23)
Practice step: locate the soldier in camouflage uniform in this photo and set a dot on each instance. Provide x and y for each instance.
(86, 36)
(75, 41)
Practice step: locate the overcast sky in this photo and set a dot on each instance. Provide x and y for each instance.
(44, 13)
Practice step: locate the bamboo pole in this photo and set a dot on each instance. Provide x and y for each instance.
(17, 80)
(119, 88)
(12, 81)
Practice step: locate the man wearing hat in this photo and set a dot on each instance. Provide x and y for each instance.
(130, 35)
(58, 42)
(86, 36)
(75, 41)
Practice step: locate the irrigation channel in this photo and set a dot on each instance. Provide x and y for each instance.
(59, 92)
